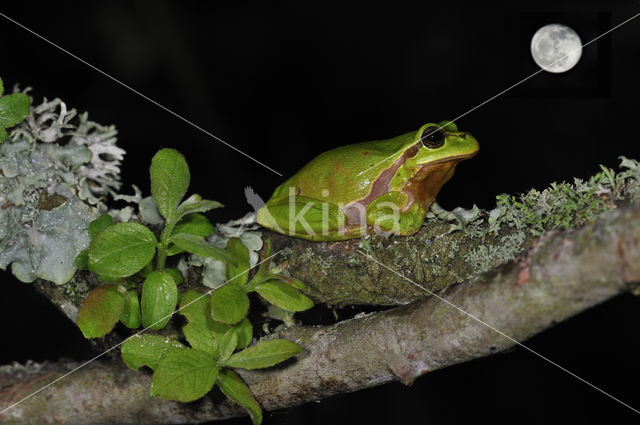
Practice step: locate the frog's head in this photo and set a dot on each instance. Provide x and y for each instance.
(443, 142)
(431, 160)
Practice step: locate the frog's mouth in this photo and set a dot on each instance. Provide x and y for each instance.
(427, 182)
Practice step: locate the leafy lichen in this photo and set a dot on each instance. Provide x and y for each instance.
(56, 168)
(566, 205)
(560, 206)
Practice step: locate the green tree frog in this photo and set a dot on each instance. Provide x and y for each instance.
(379, 186)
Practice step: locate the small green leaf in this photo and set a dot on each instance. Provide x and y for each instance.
(99, 224)
(229, 304)
(13, 109)
(283, 295)
(292, 281)
(131, 317)
(1, 87)
(244, 330)
(169, 180)
(184, 374)
(121, 250)
(199, 331)
(238, 272)
(3, 135)
(100, 311)
(174, 250)
(146, 350)
(82, 260)
(197, 245)
(159, 299)
(233, 387)
(264, 354)
(194, 224)
(195, 204)
(227, 345)
(176, 275)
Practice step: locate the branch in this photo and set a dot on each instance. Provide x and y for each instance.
(564, 274)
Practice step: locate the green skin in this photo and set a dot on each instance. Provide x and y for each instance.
(383, 185)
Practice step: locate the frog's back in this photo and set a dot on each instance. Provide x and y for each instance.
(346, 173)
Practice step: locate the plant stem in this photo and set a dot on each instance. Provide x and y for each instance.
(170, 223)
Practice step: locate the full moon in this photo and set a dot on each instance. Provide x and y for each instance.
(556, 48)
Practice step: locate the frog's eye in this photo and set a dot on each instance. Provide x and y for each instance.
(433, 137)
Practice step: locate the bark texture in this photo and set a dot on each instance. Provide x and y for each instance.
(562, 274)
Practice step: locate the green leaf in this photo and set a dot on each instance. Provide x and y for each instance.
(1, 87)
(292, 281)
(199, 331)
(121, 250)
(174, 250)
(146, 350)
(176, 275)
(244, 330)
(194, 224)
(229, 304)
(263, 274)
(3, 135)
(227, 345)
(169, 180)
(195, 203)
(159, 299)
(105, 278)
(238, 272)
(283, 295)
(82, 260)
(13, 109)
(184, 374)
(99, 224)
(131, 317)
(197, 245)
(219, 328)
(100, 311)
(263, 354)
(233, 387)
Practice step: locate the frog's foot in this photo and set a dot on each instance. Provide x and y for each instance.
(459, 217)
(391, 213)
(305, 218)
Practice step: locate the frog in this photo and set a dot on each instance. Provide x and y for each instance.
(380, 186)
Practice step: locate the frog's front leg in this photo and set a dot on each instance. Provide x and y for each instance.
(304, 217)
(392, 213)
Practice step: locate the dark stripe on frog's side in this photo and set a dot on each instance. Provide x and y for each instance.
(379, 187)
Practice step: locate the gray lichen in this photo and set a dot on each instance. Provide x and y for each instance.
(56, 168)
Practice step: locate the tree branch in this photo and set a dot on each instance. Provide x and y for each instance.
(563, 274)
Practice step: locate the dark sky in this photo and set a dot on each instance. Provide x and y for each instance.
(285, 82)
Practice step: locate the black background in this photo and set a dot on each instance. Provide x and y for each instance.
(285, 82)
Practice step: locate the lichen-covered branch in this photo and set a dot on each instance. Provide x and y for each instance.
(563, 274)
(436, 257)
